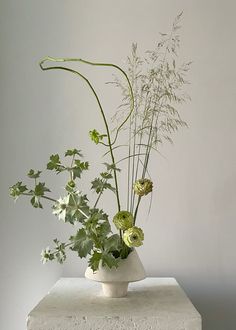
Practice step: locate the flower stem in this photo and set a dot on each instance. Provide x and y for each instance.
(45, 197)
(136, 209)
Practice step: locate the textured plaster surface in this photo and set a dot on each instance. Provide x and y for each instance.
(77, 303)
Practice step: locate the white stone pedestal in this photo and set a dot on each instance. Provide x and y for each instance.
(151, 304)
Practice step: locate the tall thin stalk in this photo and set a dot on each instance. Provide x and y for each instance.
(129, 191)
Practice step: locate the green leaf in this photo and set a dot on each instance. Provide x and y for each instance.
(55, 163)
(34, 174)
(35, 201)
(81, 243)
(60, 253)
(99, 185)
(95, 136)
(112, 243)
(82, 165)
(112, 167)
(79, 168)
(98, 225)
(109, 260)
(106, 175)
(95, 260)
(40, 189)
(17, 189)
(73, 152)
(72, 208)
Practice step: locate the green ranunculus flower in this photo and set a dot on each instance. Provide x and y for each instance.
(133, 237)
(143, 187)
(123, 220)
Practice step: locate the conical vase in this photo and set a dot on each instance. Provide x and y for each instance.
(115, 281)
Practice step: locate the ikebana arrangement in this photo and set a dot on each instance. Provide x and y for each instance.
(151, 89)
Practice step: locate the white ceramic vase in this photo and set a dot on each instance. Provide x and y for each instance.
(115, 281)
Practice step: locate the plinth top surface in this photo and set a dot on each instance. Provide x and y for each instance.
(79, 297)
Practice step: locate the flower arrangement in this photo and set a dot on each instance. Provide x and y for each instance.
(151, 89)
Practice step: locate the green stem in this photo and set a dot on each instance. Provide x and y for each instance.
(72, 163)
(130, 190)
(120, 231)
(141, 136)
(103, 116)
(53, 59)
(100, 194)
(45, 197)
(136, 209)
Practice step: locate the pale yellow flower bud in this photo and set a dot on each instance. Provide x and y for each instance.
(143, 187)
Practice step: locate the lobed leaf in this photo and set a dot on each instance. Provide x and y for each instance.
(73, 152)
(34, 174)
(81, 243)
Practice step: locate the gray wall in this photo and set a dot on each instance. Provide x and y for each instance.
(190, 233)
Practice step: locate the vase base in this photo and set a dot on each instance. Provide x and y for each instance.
(115, 289)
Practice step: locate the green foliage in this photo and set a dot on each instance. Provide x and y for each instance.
(112, 243)
(59, 252)
(94, 237)
(95, 136)
(100, 185)
(34, 174)
(40, 189)
(35, 201)
(17, 189)
(106, 175)
(109, 260)
(73, 152)
(55, 163)
(112, 167)
(94, 260)
(98, 226)
(78, 168)
(81, 243)
(37, 193)
(106, 259)
(72, 208)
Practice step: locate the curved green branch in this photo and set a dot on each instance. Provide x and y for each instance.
(102, 113)
(54, 59)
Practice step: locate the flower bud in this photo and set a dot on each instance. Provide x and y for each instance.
(71, 184)
(123, 220)
(143, 187)
(133, 237)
